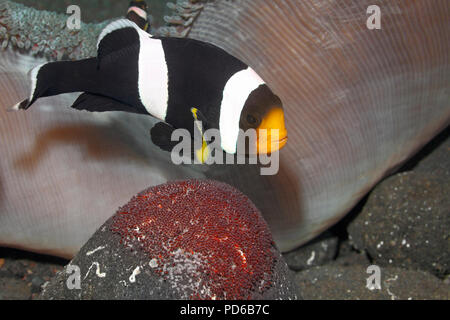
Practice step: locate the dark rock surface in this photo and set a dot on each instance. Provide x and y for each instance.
(317, 252)
(402, 227)
(406, 223)
(348, 256)
(350, 283)
(14, 289)
(107, 270)
(434, 158)
(119, 263)
(22, 274)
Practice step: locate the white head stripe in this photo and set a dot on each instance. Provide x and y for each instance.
(140, 12)
(235, 94)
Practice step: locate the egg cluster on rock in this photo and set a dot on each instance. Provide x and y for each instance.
(181, 240)
(200, 230)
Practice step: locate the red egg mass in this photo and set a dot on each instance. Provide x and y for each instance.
(205, 238)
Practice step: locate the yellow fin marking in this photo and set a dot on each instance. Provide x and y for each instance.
(201, 154)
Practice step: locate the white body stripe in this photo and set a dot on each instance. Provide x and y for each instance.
(33, 76)
(235, 94)
(153, 76)
(116, 25)
(152, 68)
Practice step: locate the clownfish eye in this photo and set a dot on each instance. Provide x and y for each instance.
(252, 120)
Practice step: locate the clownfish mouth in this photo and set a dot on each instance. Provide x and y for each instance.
(272, 133)
(281, 142)
(271, 145)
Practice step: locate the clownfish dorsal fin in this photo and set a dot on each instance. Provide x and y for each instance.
(117, 39)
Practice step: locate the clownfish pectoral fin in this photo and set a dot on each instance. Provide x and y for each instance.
(198, 116)
(97, 103)
(161, 134)
(120, 39)
(203, 152)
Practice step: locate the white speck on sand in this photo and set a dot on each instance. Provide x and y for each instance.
(393, 297)
(311, 259)
(97, 272)
(95, 250)
(136, 271)
(153, 263)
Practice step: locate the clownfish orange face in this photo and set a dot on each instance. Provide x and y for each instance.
(263, 112)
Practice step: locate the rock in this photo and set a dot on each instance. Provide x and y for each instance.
(36, 284)
(315, 253)
(406, 223)
(434, 158)
(348, 256)
(14, 289)
(22, 274)
(349, 283)
(181, 240)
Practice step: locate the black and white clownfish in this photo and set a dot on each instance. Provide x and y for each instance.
(137, 12)
(176, 80)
